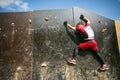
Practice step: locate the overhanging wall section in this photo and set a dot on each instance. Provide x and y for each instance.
(105, 35)
(53, 44)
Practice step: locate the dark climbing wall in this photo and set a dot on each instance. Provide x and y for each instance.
(42, 48)
(15, 45)
(53, 44)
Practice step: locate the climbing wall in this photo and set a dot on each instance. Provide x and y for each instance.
(53, 44)
(36, 46)
(15, 46)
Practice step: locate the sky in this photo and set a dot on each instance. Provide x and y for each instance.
(107, 8)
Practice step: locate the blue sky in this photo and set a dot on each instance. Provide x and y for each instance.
(106, 8)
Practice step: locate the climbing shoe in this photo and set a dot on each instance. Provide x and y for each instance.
(104, 67)
(72, 61)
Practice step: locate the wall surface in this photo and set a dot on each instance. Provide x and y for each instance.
(42, 47)
(15, 45)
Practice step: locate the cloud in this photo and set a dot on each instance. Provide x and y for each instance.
(14, 5)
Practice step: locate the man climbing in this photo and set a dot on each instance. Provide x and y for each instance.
(89, 42)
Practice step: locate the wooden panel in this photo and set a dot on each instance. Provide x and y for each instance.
(117, 24)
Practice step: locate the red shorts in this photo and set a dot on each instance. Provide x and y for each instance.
(89, 45)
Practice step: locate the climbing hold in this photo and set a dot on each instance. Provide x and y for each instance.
(12, 24)
(103, 30)
(43, 65)
(30, 21)
(18, 73)
(19, 69)
(46, 18)
(99, 21)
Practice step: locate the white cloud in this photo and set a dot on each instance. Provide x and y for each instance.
(19, 4)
